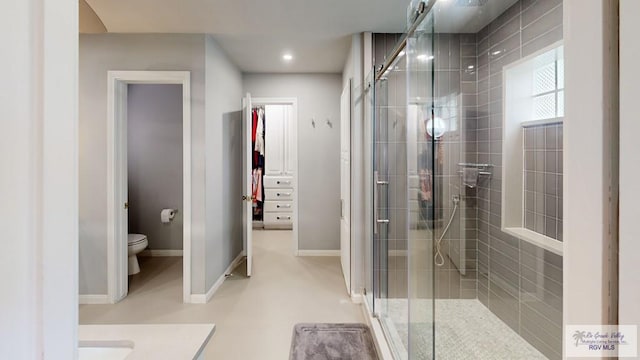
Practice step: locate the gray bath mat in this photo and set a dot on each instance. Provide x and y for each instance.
(332, 342)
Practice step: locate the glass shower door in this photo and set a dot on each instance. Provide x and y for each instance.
(391, 206)
(422, 153)
(404, 196)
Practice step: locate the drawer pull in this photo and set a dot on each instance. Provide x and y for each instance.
(283, 206)
(283, 182)
(283, 194)
(280, 218)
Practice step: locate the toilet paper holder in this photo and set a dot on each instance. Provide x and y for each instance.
(167, 215)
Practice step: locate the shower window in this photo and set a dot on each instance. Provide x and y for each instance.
(534, 88)
(534, 109)
(548, 85)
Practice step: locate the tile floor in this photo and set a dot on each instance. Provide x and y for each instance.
(465, 329)
(254, 317)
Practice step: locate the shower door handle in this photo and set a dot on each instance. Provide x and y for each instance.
(375, 203)
(376, 194)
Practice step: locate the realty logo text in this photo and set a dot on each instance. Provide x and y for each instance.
(601, 340)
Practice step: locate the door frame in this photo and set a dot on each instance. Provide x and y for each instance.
(293, 101)
(117, 263)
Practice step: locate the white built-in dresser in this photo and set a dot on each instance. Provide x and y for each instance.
(280, 167)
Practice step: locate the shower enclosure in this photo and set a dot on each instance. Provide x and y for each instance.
(464, 264)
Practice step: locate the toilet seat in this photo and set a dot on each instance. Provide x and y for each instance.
(134, 239)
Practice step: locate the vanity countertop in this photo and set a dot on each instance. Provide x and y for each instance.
(153, 341)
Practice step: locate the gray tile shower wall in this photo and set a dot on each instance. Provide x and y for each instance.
(543, 179)
(455, 103)
(519, 282)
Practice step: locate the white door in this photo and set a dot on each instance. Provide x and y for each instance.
(345, 184)
(247, 169)
(122, 203)
(274, 139)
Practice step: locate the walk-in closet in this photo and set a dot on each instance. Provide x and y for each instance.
(273, 164)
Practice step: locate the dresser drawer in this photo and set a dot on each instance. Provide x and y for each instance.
(278, 182)
(278, 194)
(278, 220)
(278, 206)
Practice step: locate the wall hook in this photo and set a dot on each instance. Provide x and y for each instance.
(329, 123)
(313, 123)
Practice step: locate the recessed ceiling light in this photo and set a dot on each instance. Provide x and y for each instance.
(401, 53)
(424, 57)
(287, 57)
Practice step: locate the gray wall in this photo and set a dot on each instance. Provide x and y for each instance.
(154, 160)
(99, 54)
(213, 98)
(525, 294)
(223, 128)
(318, 150)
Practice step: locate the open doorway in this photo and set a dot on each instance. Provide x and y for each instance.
(149, 139)
(270, 169)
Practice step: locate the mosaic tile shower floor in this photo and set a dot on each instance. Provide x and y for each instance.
(465, 329)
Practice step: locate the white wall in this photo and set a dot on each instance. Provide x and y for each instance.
(318, 150)
(38, 182)
(357, 66)
(629, 296)
(590, 159)
(223, 150)
(215, 95)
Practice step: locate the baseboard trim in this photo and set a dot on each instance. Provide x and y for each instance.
(379, 339)
(204, 298)
(159, 252)
(94, 299)
(318, 252)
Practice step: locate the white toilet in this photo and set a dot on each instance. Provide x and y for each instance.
(136, 243)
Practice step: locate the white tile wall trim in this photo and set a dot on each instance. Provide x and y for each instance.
(160, 252)
(204, 298)
(536, 239)
(318, 252)
(532, 123)
(94, 299)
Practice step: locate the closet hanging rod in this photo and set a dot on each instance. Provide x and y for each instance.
(422, 11)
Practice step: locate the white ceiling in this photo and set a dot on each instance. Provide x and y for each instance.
(256, 33)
